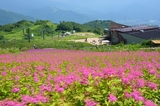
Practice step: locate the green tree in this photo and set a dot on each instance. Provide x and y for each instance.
(1, 37)
(147, 43)
(8, 28)
(98, 31)
(66, 26)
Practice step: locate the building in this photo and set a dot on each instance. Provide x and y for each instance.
(131, 34)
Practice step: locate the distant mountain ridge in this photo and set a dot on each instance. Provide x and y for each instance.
(7, 17)
(56, 15)
(128, 12)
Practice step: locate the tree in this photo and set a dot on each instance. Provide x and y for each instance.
(7, 28)
(77, 28)
(98, 31)
(1, 37)
(29, 34)
(66, 26)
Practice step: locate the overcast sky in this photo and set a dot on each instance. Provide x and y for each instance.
(125, 9)
(90, 4)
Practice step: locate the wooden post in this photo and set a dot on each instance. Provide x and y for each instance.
(43, 34)
(28, 30)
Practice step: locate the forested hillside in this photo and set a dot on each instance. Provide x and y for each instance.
(22, 26)
(48, 28)
(102, 24)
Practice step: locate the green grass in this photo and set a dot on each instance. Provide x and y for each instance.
(16, 44)
(49, 42)
(79, 36)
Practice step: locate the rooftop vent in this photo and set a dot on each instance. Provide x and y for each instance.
(106, 29)
(141, 30)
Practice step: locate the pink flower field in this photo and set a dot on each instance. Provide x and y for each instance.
(80, 78)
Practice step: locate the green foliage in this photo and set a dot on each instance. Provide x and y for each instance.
(65, 26)
(23, 24)
(10, 50)
(98, 31)
(46, 26)
(102, 24)
(69, 26)
(41, 22)
(15, 37)
(148, 43)
(1, 37)
(7, 28)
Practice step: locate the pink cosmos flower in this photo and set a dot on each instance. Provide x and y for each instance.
(44, 87)
(152, 85)
(10, 103)
(33, 99)
(17, 78)
(35, 77)
(59, 89)
(127, 95)
(125, 80)
(149, 103)
(112, 98)
(51, 68)
(40, 98)
(90, 103)
(28, 73)
(140, 83)
(3, 73)
(15, 90)
(152, 71)
(39, 68)
(137, 96)
(27, 99)
(157, 75)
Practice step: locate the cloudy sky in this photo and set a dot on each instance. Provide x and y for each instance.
(99, 5)
(115, 9)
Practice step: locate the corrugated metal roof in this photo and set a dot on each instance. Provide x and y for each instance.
(147, 34)
(141, 31)
(136, 28)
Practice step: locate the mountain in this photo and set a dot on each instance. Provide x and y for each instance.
(7, 17)
(56, 15)
(141, 14)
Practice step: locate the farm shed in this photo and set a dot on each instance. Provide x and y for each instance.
(131, 34)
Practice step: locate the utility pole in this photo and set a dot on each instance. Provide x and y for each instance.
(23, 30)
(52, 33)
(28, 31)
(43, 34)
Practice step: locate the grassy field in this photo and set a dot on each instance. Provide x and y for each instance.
(16, 42)
(48, 42)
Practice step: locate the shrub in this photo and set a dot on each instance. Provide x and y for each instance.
(147, 43)
(1, 37)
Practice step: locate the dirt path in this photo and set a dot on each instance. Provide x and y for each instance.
(94, 41)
